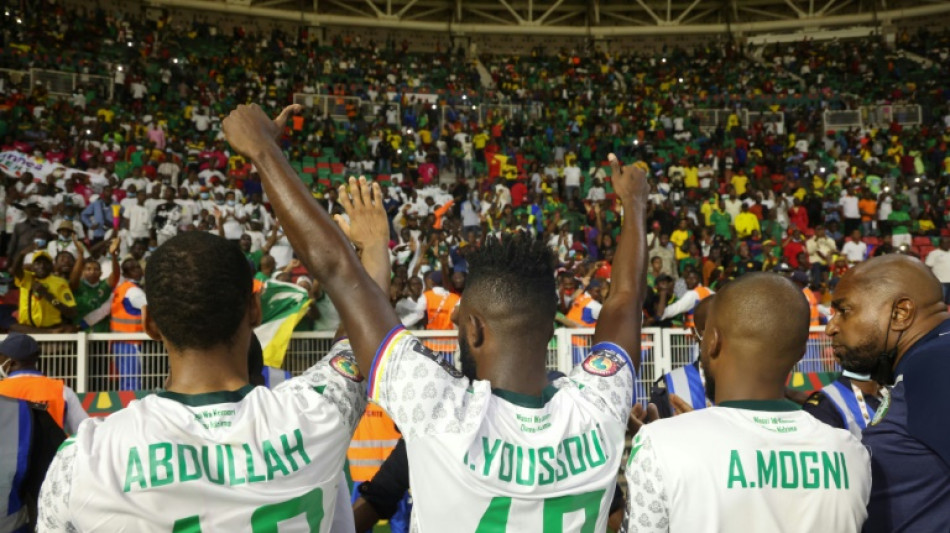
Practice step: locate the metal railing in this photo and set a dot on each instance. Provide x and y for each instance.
(130, 361)
(61, 83)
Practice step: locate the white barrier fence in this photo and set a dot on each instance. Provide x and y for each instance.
(129, 361)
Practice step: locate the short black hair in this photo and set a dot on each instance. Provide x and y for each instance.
(198, 289)
(514, 271)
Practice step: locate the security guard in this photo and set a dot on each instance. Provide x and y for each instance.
(850, 402)
(19, 356)
(27, 447)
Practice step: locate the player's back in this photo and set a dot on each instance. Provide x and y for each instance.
(754, 468)
(491, 460)
(243, 460)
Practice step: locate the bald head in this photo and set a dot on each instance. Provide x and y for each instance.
(762, 317)
(885, 278)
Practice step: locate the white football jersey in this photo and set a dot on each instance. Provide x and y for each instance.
(245, 461)
(490, 460)
(746, 466)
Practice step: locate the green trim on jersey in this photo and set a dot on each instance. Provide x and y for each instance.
(523, 400)
(763, 405)
(67, 443)
(208, 398)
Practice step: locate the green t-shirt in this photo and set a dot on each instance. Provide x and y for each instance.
(721, 223)
(254, 258)
(899, 217)
(92, 297)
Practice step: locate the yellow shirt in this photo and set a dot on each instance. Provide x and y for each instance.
(425, 136)
(678, 238)
(740, 182)
(40, 312)
(480, 140)
(746, 223)
(106, 115)
(691, 177)
(707, 210)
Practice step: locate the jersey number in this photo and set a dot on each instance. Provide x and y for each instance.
(495, 519)
(266, 517)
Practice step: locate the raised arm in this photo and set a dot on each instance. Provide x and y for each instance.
(620, 318)
(364, 308)
(75, 275)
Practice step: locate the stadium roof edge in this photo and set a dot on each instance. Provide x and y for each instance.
(803, 21)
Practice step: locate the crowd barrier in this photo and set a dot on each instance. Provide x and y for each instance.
(106, 362)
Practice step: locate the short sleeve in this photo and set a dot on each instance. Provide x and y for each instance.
(64, 295)
(53, 505)
(647, 505)
(607, 377)
(421, 391)
(338, 379)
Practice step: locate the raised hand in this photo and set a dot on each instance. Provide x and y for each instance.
(368, 224)
(630, 182)
(250, 131)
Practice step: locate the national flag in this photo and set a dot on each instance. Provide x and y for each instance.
(283, 305)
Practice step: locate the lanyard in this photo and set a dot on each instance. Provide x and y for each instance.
(862, 405)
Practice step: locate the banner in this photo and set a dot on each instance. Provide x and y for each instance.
(15, 163)
(282, 306)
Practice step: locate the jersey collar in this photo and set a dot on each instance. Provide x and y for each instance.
(208, 398)
(762, 405)
(524, 400)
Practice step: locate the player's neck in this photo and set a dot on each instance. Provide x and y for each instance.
(748, 386)
(516, 374)
(198, 372)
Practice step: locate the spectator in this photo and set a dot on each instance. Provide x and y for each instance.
(821, 251)
(856, 250)
(46, 303)
(939, 262)
(32, 231)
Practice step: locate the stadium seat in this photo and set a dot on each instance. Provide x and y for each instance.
(922, 241)
(872, 241)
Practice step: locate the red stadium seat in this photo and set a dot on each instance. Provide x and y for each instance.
(872, 241)
(925, 251)
(922, 241)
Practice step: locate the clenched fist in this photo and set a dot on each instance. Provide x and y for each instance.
(250, 131)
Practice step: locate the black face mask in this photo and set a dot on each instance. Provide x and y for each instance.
(883, 372)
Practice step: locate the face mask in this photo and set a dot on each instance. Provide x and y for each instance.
(152, 248)
(4, 367)
(883, 372)
(231, 203)
(204, 196)
(40, 242)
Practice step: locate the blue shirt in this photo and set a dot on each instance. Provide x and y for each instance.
(910, 443)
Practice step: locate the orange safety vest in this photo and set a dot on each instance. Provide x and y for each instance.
(576, 313)
(812, 306)
(123, 321)
(373, 441)
(439, 313)
(37, 389)
(703, 293)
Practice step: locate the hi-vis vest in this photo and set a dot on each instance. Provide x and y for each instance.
(122, 320)
(855, 411)
(703, 293)
(686, 383)
(439, 309)
(16, 421)
(812, 307)
(373, 441)
(576, 313)
(37, 388)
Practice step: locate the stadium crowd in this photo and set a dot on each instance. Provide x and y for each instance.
(739, 197)
(480, 186)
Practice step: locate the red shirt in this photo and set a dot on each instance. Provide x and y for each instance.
(791, 251)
